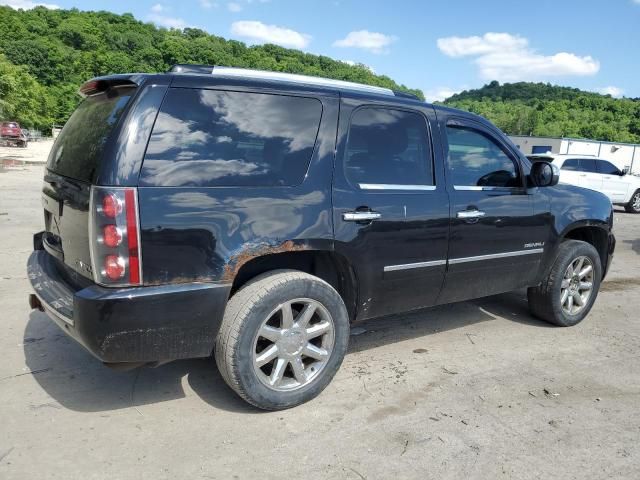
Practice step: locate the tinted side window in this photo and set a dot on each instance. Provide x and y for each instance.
(572, 164)
(588, 165)
(387, 146)
(218, 138)
(607, 168)
(475, 159)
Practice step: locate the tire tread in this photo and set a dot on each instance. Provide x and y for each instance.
(238, 308)
(541, 298)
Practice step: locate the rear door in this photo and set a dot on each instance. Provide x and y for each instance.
(391, 207)
(614, 184)
(496, 240)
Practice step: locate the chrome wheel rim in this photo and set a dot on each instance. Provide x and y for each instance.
(577, 285)
(636, 201)
(293, 344)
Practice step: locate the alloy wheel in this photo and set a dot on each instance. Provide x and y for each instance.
(577, 285)
(293, 344)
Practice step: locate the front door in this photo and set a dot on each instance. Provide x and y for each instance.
(614, 184)
(496, 241)
(391, 207)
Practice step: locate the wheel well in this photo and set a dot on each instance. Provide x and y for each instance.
(333, 268)
(593, 235)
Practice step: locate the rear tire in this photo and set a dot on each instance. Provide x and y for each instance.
(282, 339)
(634, 204)
(567, 294)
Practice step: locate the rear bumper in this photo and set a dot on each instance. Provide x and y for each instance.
(140, 324)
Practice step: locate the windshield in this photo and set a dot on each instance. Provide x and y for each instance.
(78, 149)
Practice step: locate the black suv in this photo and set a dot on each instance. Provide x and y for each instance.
(256, 215)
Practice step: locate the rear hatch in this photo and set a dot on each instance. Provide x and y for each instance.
(72, 167)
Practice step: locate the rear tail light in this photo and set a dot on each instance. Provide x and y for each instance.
(111, 205)
(115, 239)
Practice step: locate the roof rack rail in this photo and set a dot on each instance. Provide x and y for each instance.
(191, 68)
(301, 79)
(402, 94)
(287, 77)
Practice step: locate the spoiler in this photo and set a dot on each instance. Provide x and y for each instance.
(102, 84)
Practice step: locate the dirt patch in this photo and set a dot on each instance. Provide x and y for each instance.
(620, 284)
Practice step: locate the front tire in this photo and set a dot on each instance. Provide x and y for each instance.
(634, 204)
(566, 296)
(282, 339)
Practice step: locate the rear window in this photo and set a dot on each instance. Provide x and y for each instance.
(78, 149)
(217, 138)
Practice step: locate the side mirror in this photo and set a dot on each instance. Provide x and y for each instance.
(544, 174)
(624, 171)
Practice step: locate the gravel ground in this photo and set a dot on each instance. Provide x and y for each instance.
(473, 390)
(36, 152)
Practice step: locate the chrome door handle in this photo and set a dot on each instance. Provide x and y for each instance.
(583, 174)
(466, 214)
(360, 216)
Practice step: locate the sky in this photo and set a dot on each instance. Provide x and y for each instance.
(440, 47)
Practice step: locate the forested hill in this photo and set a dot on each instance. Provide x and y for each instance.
(45, 55)
(546, 110)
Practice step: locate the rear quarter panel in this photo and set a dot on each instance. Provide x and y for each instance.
(205, 234)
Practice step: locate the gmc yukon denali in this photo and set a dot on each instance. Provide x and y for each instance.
(255, 216)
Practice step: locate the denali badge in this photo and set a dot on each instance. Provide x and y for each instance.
(534, 245)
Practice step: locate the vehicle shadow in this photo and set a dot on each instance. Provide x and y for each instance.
(511, 306)
(77, 381)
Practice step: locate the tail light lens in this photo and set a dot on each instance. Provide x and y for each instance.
(115, 239)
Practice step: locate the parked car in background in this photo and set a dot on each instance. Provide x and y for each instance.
(256, 215)
(597, 174)
(11, 134)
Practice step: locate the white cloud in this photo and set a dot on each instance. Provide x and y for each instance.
(506, 57)
(439, 94)
(166, 21)
(28, 5)
(259, 32)
(208, 4)
(157, 8)
(611, 90)
(234, 7)
(372, 41)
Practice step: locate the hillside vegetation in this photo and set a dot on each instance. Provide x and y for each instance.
(45, 55)
(545, 110)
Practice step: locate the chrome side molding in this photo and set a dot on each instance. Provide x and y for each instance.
(453, 261)
(493, 256)
(409, 266)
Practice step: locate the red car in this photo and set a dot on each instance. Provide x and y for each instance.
(11, 134)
